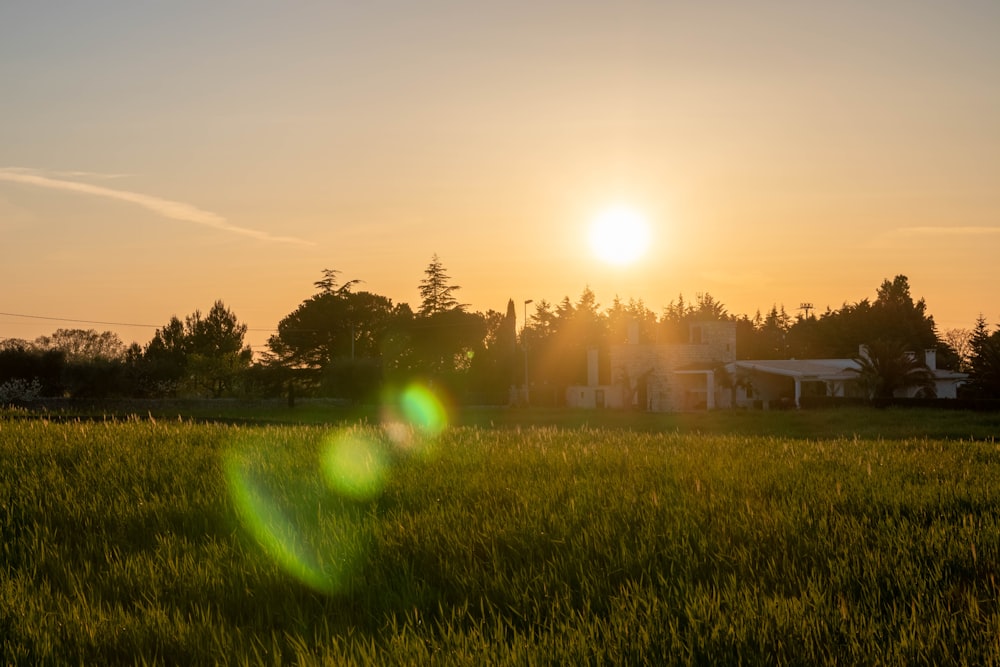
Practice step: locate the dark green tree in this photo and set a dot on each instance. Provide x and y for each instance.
(164, 361)
(494, 370)
(437, 293)
(204, 354)
(338, 342)
(558, 344)
(893, 315)
(631, 321)
(94, 363)
(678, 316)
(84, 344)
(445, 343)
(329, 283)
(764, 337)
(984, 361)
(216, 356)
(504, 343)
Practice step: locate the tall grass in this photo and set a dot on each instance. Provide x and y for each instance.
(160, 542)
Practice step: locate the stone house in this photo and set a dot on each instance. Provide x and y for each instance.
(663, 377)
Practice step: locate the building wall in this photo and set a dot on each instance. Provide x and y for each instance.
(645, 372)
(594, 396)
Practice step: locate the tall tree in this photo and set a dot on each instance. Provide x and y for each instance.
(560, 340)
(960, 340)
(494, 368)
(764, 337)
(628, 320)
(329, 283)
(444, 344)
(437, 293)
(709, 308)
(337, 341)
(893, 315)
(506, 344)
(204, 353)
(984, 361)
(83, 344)
(214, 344)
(164, 360)
(677, 317)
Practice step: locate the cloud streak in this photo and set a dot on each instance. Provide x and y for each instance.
(948, 231)
(163, 207)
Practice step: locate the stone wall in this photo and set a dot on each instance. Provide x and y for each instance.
(646, 372)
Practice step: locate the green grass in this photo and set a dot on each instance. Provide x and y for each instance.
(888, 423)
(696, 540)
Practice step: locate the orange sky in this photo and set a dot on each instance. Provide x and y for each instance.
(155, 159)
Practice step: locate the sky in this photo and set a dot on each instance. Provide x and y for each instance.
(157, 157)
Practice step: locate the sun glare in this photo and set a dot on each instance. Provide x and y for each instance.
(619, 235)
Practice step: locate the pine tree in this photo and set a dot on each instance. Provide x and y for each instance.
(984, 361)
(436, 290)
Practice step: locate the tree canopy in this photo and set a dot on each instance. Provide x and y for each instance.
(437, 293)
(345, 342)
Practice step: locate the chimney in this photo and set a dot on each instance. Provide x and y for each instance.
(930, 358)
(592, 371)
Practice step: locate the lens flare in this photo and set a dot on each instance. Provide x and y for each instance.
(422, 408)
(306, 519)
(413, 418)
(355, 467)
(273, 528)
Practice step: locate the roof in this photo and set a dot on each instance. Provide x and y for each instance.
(821, 369)
(804, 369)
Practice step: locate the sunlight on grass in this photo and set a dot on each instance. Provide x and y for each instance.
(174, 543)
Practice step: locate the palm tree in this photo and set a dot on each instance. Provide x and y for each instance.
(885, 367)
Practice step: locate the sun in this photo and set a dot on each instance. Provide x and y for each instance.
(619, 235)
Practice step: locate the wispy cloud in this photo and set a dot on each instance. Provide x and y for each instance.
(92, 175)
(163, 207)
(948, 231)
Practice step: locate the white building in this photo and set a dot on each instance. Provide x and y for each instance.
(663, 377)
(783, 382)
(703, 374)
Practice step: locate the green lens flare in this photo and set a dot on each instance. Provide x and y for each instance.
(294, 517)
(423, 409)
(355, 467)
(273, 529)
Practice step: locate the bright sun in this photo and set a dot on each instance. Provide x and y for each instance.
(619, 235)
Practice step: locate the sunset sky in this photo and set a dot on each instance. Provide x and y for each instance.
(155, 157)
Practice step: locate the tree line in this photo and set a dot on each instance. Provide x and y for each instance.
(349, 343)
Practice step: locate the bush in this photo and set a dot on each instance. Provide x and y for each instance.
(19, 390)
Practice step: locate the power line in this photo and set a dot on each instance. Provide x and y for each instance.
(114, 324)
(67, 319)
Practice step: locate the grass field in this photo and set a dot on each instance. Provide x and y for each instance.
(856, 537)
